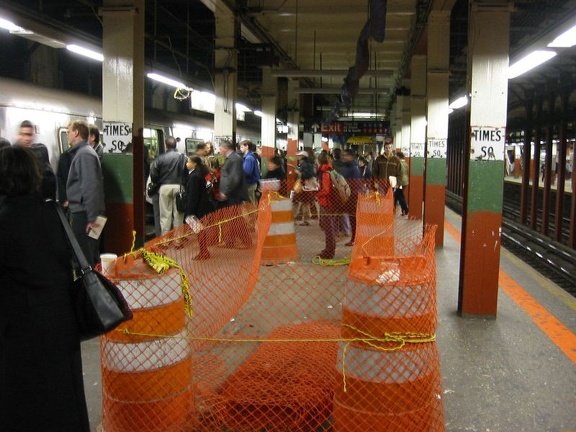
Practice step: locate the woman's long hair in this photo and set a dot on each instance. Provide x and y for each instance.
(19, 171)
(200, 165)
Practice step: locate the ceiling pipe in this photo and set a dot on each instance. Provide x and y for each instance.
(337, 90)
(291, 73)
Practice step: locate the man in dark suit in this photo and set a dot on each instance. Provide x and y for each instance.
(26, 136)
(233, 192)
(233, 188)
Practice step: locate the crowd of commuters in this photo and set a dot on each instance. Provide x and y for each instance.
(235, 178)
(313, 188)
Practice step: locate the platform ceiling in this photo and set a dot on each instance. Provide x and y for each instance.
(314, 41)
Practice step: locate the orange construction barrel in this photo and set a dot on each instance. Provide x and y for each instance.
(386, 391)
(280, 242)
(374, 225)
(390, 294)
(147, 376)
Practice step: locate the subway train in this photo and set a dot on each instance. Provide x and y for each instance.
(51, 110)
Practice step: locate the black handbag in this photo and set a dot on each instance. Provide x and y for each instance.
(181, 200)
(98, 304)
(153, 189)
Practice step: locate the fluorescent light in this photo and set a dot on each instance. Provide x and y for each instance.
(363, 115)
(85, 52)
(166, 80)
(459, 103)
(258, 113)
(242, 108)
(10, 26)
(532, 60)
(565, 40)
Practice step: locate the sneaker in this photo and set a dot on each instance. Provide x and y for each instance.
(305, 223)
(350, 243)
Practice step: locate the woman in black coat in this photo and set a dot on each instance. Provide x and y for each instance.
(41, 386)
(198, 199)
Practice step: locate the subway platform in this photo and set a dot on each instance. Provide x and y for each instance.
(515, 373)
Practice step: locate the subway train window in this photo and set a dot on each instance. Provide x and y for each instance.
(191, 144)
(152, 142)
(63, 139)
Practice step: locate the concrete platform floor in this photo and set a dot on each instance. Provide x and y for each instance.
(516, 373)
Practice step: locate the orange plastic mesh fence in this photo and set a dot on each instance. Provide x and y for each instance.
(262, 334)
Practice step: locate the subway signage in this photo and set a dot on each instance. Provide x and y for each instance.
(365, 128)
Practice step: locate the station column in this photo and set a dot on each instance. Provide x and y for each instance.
(269, 101)
(489, 27)
(417, 136)
(123, 121)
(225, 74)
(293, 117)
(402, 124)
(437, 132)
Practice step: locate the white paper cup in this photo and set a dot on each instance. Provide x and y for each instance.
(108, 262)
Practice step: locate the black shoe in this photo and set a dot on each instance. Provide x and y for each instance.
(325, 255)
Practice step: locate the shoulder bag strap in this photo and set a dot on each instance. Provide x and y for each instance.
(84, 266)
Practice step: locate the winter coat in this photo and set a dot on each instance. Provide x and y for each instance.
(41, 385)
(198, 200)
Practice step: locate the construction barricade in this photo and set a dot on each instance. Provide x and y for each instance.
(389, 372)
(265, 334)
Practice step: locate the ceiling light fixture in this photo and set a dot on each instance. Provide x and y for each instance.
(565, 40)
(242, 108)
(85, 52)
(459, 103)
(166, 80)
(258, 113)
(532, 60)
(10, 26)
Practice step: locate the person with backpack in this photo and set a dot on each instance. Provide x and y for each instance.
(305, 197)
(351, 173)
(251, 168)
(327, 200)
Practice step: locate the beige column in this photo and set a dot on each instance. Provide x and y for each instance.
(417, 136)
(437, 115)
(489, 28)
(269, 106)
(225, 74)
(123, 105)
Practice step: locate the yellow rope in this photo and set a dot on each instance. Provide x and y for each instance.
(344, 367)
(330, 262)
(397, 337)
(133, 240)
(161, 263)
(401, 339)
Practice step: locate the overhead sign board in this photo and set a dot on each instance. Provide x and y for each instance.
(362, 128)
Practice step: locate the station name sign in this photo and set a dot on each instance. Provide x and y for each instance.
(487, 143)
(116, 136)
(365, 128)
